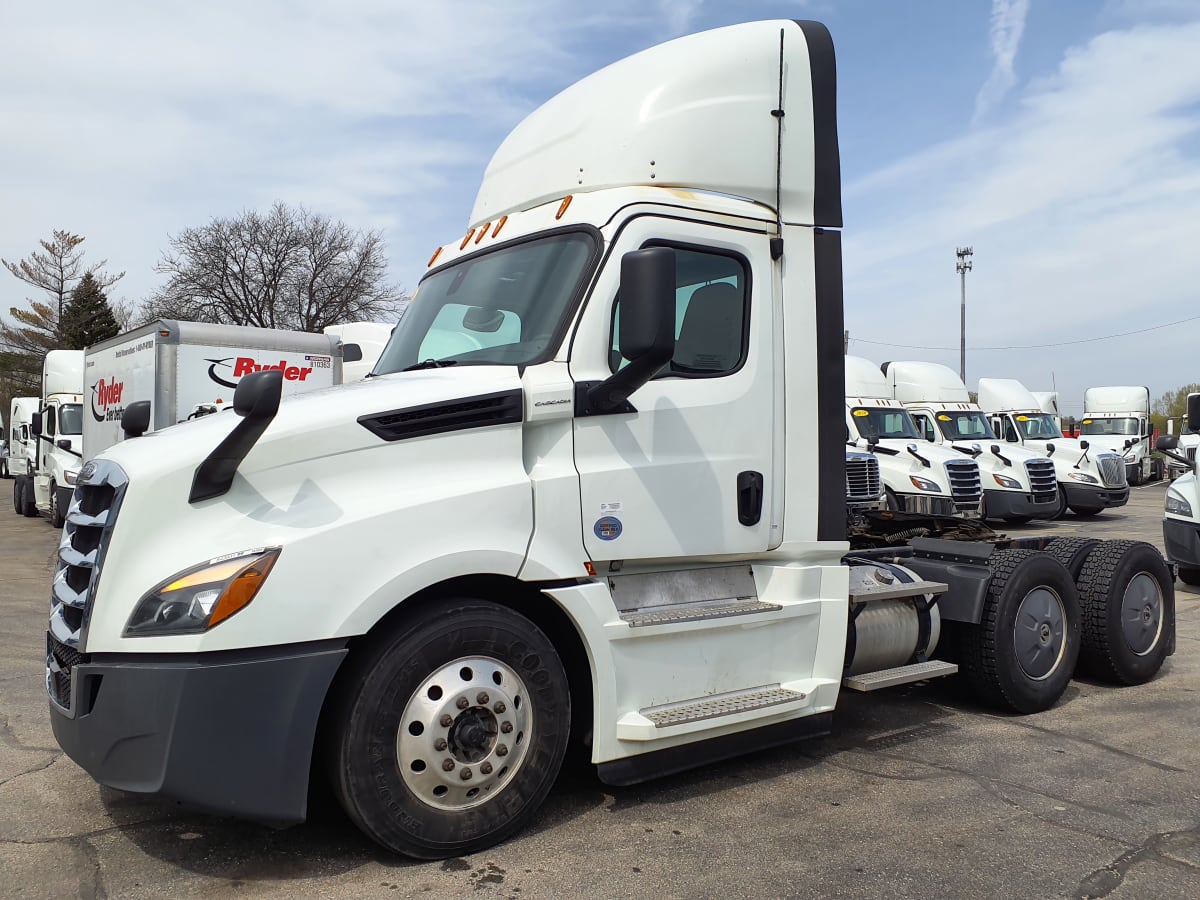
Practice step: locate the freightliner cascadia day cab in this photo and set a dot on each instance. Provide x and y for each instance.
(22, 450)
(1189, 440)
(918, 477)
(190, 369)
(1018, 484)
(1090, 479)
(613, 513)
(1117, 418)
(1181, 521)
(58, 426)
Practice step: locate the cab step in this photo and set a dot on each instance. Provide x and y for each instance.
(885, 678)
(897, 590)
(696, 612)
(714, 711)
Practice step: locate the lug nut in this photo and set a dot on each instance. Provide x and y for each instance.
(485, 769)
(502, 750)
(465, 774)
(446, 721)
(448, 765)
(482, 698)
(439, 744)
(499, 707)
(506, 727)
(463, 703)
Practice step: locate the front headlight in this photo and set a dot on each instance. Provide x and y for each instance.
(1005, 482)
(69, 477)
(925, 484)
(1177, 505)
(203, 596)
(1084, 477)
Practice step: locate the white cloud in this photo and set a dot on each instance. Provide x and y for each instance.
(1004, 37)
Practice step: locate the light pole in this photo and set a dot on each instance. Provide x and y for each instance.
(963, 267)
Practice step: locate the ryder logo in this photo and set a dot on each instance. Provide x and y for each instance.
(244, 365)
(106, 400)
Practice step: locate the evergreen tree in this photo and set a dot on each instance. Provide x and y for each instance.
(87, 317)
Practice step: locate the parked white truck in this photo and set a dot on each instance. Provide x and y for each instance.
(1048, 401)
(58, 427)
(1018, 484)
(1189, 440)
(22, 453)
(1117, 418)
(1181, 519)
(190, 369)
(1090, 479)
(615, 513)
(363, 344)
(918, 477)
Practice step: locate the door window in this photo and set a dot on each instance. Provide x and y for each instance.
(925, 427)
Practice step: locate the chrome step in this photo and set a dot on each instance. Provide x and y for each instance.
(720, 705)
(897, 590)
(696, 612)
(885, 678)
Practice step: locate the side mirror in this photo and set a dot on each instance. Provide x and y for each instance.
(35, 425)
(1193, 412)
(257, 394)
(1083, 445)
(1167, 442)
(256, 399)
(63, 444)
(1049, 449)
(351, 353)
(136, 419)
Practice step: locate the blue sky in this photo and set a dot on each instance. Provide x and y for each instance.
(1058, 138)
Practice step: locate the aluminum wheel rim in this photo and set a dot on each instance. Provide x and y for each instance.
(1039, 633)
(1141, 613)
(464, 733)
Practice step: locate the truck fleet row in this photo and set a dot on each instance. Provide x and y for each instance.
(595, 491)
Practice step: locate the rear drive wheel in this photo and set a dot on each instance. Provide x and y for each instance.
(1189, 576)
(1023, 651)
(449, 734)
(1071, 552)
(1128, 601)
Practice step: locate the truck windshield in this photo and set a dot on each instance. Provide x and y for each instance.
(1039, 426)
(70, 418)
(502, 308)
(1109, 426)
(964, 425)
(882, 422)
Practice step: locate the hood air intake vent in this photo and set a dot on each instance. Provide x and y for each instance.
(503, 408)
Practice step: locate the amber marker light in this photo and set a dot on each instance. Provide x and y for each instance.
(590, 568)
(433, 259)
(499, 225)
(562, 207)
(466, 240)
(483, 231)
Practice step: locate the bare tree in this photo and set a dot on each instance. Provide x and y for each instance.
(59, 268)
(287, 268)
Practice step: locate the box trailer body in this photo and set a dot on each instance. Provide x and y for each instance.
(1117, 418)
(609, 508)
(1018, 484)
(190, 369)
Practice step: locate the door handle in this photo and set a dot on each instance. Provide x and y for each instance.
(749, 497)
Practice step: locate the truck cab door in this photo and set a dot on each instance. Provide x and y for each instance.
(693, 470)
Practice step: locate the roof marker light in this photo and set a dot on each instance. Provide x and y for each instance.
(466, 240)
(562, 207)
(499, 225)
(482, 231)
(433, 259)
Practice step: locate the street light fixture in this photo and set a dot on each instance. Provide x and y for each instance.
(963, 266)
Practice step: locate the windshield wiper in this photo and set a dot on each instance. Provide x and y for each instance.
(430, 364)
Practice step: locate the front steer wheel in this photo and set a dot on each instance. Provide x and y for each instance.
(1022, 653)
(1127, 596)
(449, 733)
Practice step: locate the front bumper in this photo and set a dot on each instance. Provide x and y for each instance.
(1016, 505)
(1182, 540)
(1089, 495)
(229, 733)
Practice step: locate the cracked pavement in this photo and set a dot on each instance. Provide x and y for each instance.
(918, 792)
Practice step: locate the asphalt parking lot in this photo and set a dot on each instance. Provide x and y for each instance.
(917, 793)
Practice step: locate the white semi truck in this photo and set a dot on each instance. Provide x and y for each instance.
(58, 427)
(1181, 519)
(1117, 418)
(22, 453)
(1090, 479)
(363, 344)
(1048, 401)
(1189, 440)
(1018, 484)
(615, 513)
(189, 369)
(917, 477)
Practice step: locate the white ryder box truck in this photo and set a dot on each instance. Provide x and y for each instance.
(190, 369)
(1117, 418)
(609, 508)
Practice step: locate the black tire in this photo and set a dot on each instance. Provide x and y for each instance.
(1071, 552)
(1087, 511)
(1127, 596)
(28, 503)
(56, 515)
(392, 750)
(1189, 576)
(1018, 520)
(4, 467)
(894, 503)
(1062, 504)
(1021, 655)
(17, 492)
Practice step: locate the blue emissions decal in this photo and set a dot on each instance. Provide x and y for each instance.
(607, 528)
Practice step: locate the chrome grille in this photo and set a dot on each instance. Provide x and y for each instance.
(89, 524)
(965, 486)
(862, 478)
(1043, 481)
(1112, 470)
(1191, 453)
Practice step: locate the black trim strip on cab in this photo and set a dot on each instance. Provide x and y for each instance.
(827, 167)
(831, 386)
(480, 411)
